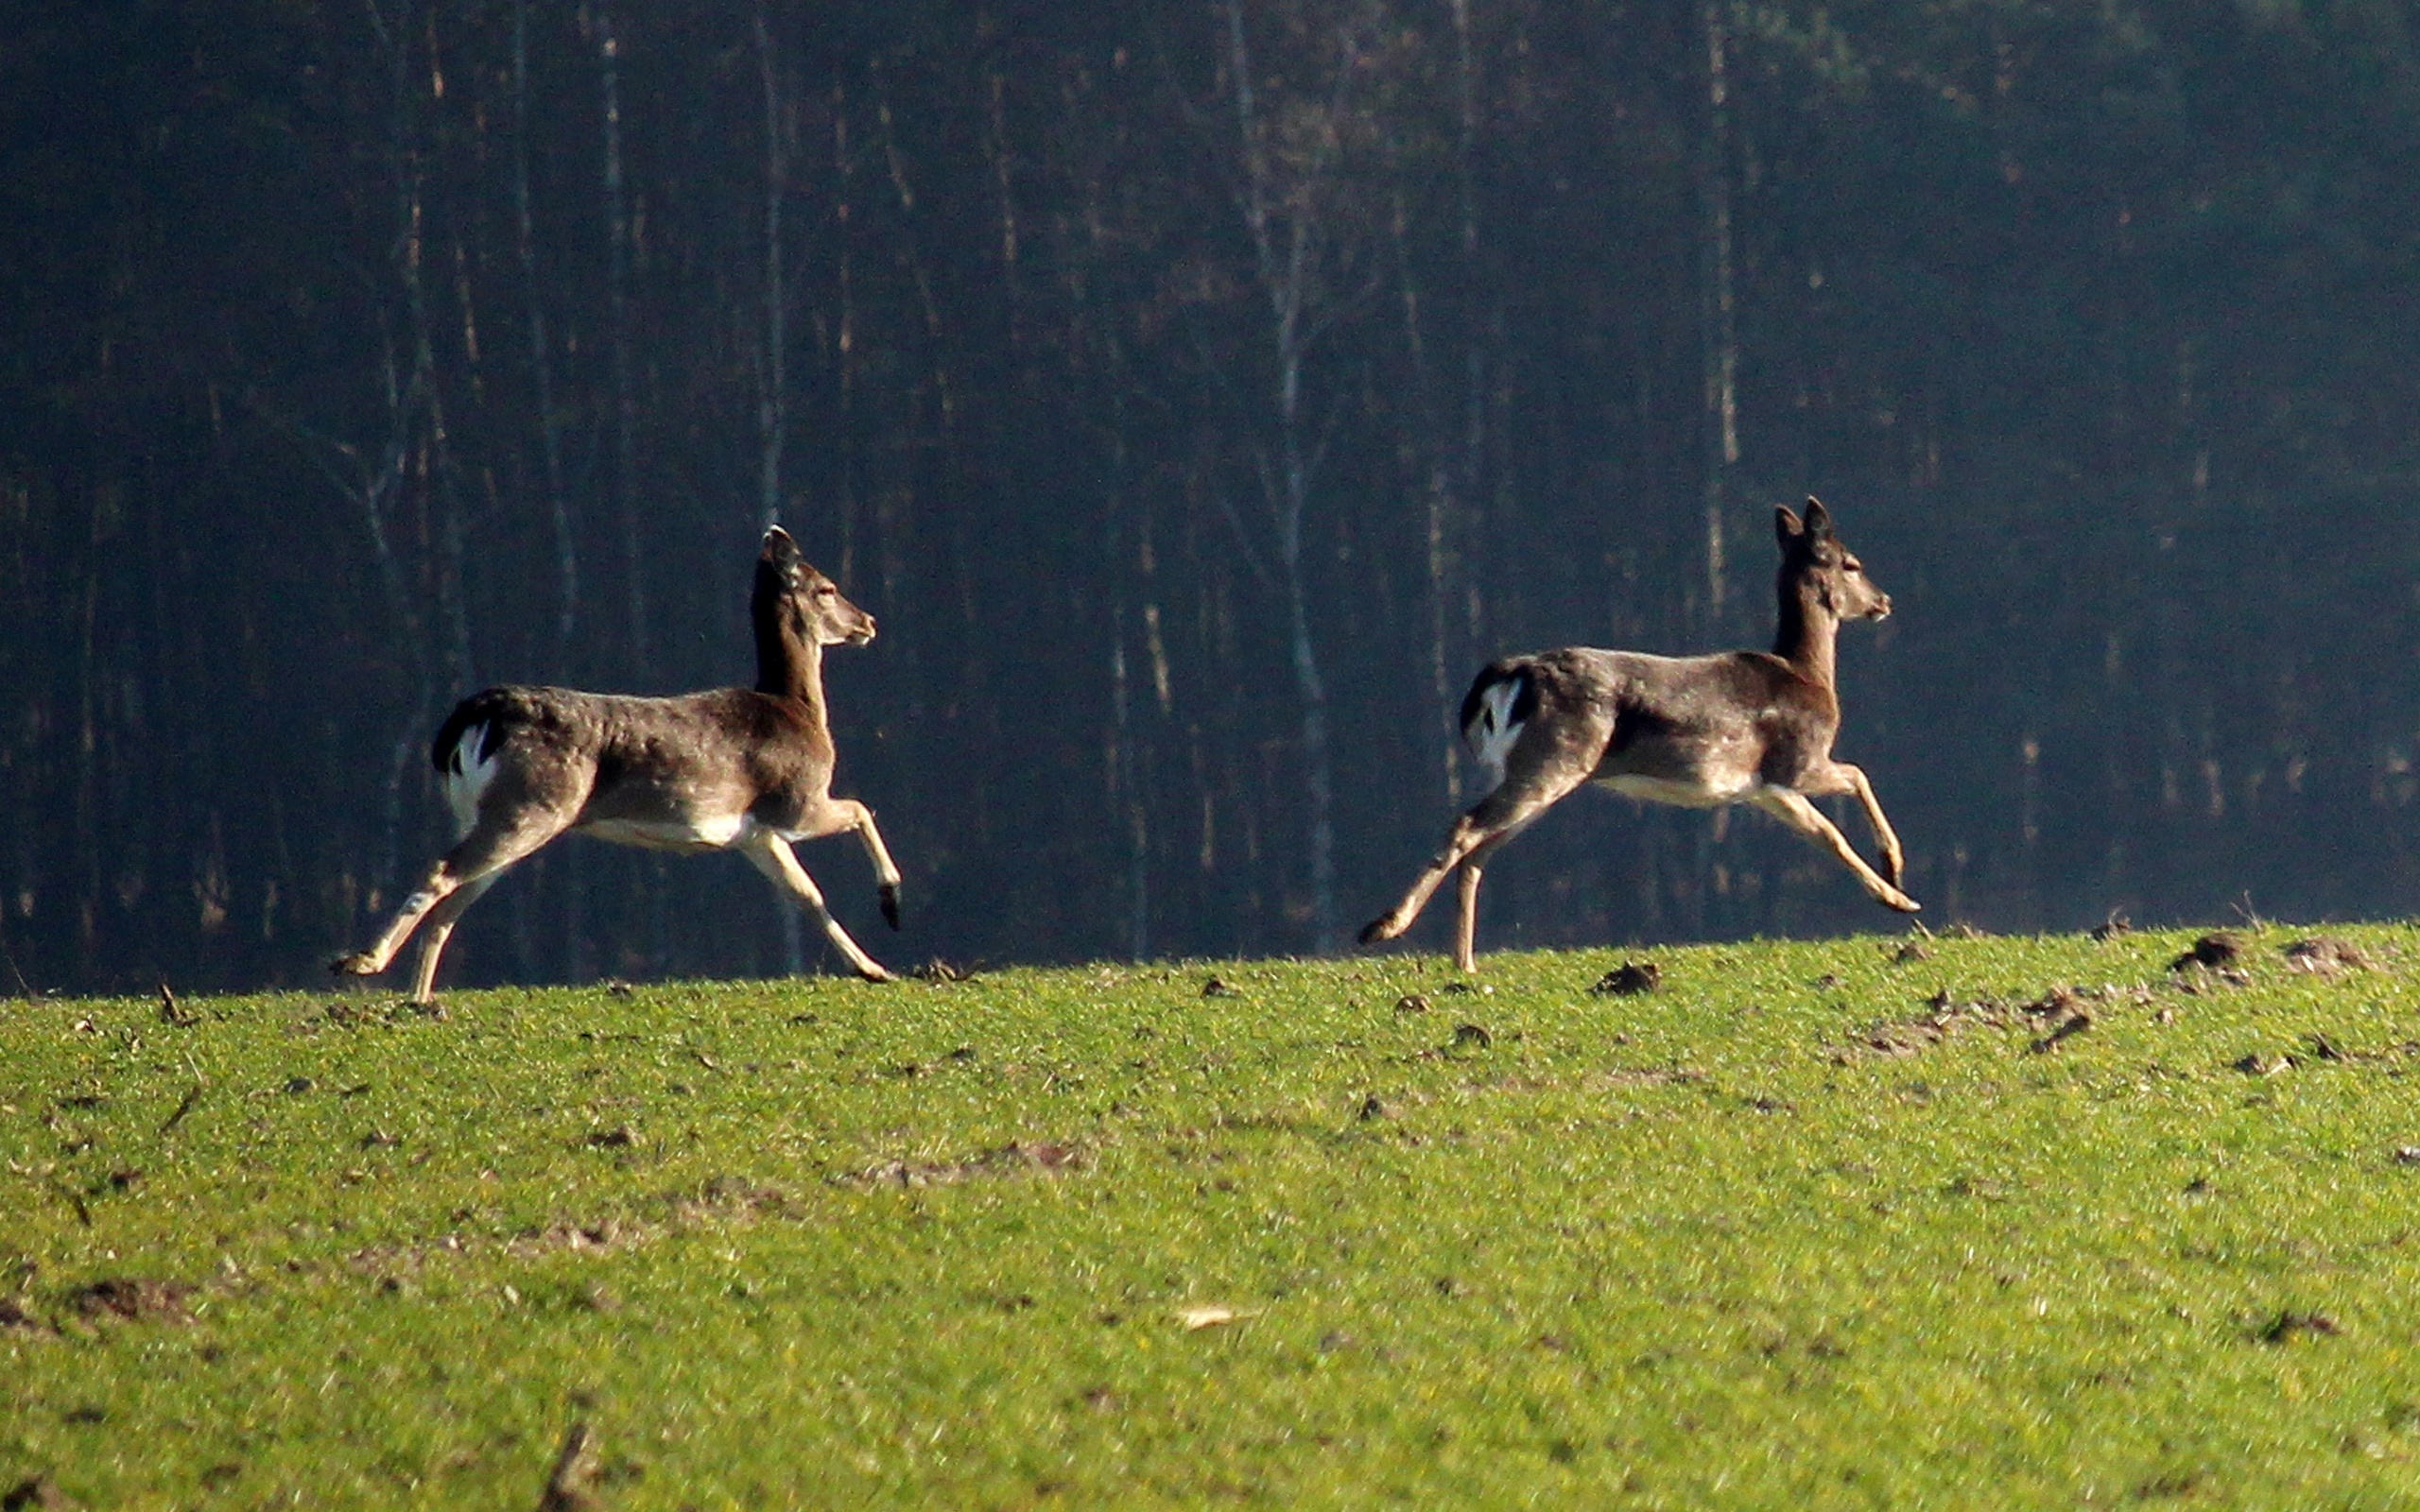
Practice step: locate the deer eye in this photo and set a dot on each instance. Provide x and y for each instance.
(824, 590)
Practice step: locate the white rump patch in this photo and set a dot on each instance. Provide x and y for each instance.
(1493, 729)
(467, 775)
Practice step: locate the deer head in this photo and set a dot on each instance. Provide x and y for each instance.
(1817, 565)
(801, 604)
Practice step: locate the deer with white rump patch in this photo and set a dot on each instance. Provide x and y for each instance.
(1739, 726)
(745, 769)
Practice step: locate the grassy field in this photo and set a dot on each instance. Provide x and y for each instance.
(1859, 1223)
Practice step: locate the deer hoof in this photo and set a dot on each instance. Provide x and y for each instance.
(356, 964)
(890, 905)
(1376, 930)
(1903, 902)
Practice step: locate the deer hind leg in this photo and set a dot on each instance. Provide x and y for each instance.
(1795, 811)
(771, 855)
(491, 845)
(439, 927)
(1495, 818)
(1466, 899)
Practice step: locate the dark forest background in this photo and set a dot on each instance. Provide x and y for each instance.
(1198, 392)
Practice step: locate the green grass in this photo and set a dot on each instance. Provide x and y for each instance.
(928, 1243)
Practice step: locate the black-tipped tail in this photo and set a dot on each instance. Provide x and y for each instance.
(479, 708)
(1512, 670)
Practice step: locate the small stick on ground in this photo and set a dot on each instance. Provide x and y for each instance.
(191, 1098)
(22, 986)
(172, 1014)
(567, 1486)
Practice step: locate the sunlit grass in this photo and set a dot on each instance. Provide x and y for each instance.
(820, 1243)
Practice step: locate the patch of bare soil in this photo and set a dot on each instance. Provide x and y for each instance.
(139, 1299)
(2061, 1009)
(15, 1315)
(1007, 1161)
(1649, 1076)
(2325, 955)
(1943, 1016)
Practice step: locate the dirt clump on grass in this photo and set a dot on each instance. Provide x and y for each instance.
(2216, 952)
(16, 1316)
(36, 1493)
(1629, 979)
(2289, 1325)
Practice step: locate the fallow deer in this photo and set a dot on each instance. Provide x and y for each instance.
(1739, 726)
(745, 769)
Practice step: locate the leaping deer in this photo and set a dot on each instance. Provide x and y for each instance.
(745, 769)
(1738, 727)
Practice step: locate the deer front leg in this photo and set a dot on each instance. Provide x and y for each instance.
(1795, 811)
(772, 857)
(886, 872)
(1885, 838)
(843, 815)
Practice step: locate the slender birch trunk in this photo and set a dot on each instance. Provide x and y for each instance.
(1287, 283)
(1718, 320)
(541, 353)
(773, 398)
(773, 387)
(618, 297)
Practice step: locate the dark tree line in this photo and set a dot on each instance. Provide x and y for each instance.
(1198, 392)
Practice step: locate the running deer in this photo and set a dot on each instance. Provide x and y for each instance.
(1739, 726)
(745, 769)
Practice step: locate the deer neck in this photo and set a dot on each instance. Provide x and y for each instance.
(1809, 634)
(790, 668)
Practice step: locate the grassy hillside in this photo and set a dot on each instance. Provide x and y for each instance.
(1858, 1223)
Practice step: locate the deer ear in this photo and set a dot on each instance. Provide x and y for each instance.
(780, 550)
(1785, 525)
(1819, 520)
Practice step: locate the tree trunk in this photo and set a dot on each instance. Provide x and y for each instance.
(773, 398)
(1718, 320)
(1288, 285)
(617, 280)
(772, 371)
(541, 357)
